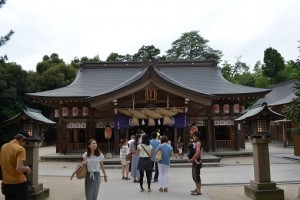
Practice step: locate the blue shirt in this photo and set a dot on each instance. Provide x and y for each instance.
(154, 143)
(167, 150)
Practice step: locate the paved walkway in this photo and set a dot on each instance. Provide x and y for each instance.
(219, 183)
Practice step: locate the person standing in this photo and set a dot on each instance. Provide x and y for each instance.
(125, 163)
(13, 155)
(179, 148)
(144, 151)
(164, 163)
(135, 158)
(94, 160)
(154, 143)
(197, 163)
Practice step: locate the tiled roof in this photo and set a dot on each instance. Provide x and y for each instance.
(31, 114)
(281, 93)
(94, 79)
(257, 111)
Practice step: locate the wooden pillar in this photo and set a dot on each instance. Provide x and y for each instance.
(116, 141)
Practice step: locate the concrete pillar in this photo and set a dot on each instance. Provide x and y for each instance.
(37, 192)
(262, 188)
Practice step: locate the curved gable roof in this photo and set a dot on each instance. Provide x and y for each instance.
(97, 79)
(204, 79)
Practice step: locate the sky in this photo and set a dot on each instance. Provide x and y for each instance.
(72, 28)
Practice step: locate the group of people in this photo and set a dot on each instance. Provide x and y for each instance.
(142, 148)
(143, 160)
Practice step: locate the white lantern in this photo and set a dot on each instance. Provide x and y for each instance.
(236, 108)
(75, 111)
(85, 111)
(242, 109)
(64, 111)
(226, 108)
(216, 108)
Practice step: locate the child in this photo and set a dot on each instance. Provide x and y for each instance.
(179, 148)
(191, 152)
(125, 163)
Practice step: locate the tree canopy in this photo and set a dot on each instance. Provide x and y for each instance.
(192, 46)
(274, 63)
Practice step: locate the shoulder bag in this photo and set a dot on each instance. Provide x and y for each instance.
(80, 171)
(158, 156)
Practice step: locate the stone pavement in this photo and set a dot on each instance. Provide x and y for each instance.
(219, 183)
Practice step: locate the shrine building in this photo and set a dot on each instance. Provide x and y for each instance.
(109, 101)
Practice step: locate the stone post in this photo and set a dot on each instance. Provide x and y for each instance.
(262, 188)
(37, 192)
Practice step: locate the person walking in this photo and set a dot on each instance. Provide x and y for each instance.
(13, 155)
(125, 163)
(144, 151)
(94, 160)
(164, 163)
(135, 158)
(196, 163)
(154, 142)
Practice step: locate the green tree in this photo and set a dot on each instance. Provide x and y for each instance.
(113, 57)
(192, 46)
(48, 62)
(52, 73)
(76, 62)
(261, 81)
(274, 63)
(4, 39)
(12, 89)
(293, 110)
(238, 73)
(146, 52)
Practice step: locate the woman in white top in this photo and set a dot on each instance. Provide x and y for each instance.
(125, 163)
(94, 160)
(144, 150)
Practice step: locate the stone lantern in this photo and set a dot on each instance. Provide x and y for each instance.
(258, 121)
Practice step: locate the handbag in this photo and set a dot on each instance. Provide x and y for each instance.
(80, 171)
(158, 156)
(128, 157)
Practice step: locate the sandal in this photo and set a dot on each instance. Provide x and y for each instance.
(142, 189)
(196, 193)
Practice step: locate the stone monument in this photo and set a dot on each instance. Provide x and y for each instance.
(262, 188)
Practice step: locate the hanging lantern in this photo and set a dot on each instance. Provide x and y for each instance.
(242, 109)
(64, 111)
(216, 108)
(226, 108)
(56, 113)
(85, 111)
(236, 108)
(75, 111)
(108, 132)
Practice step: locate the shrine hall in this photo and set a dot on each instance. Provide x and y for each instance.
(109, 101)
